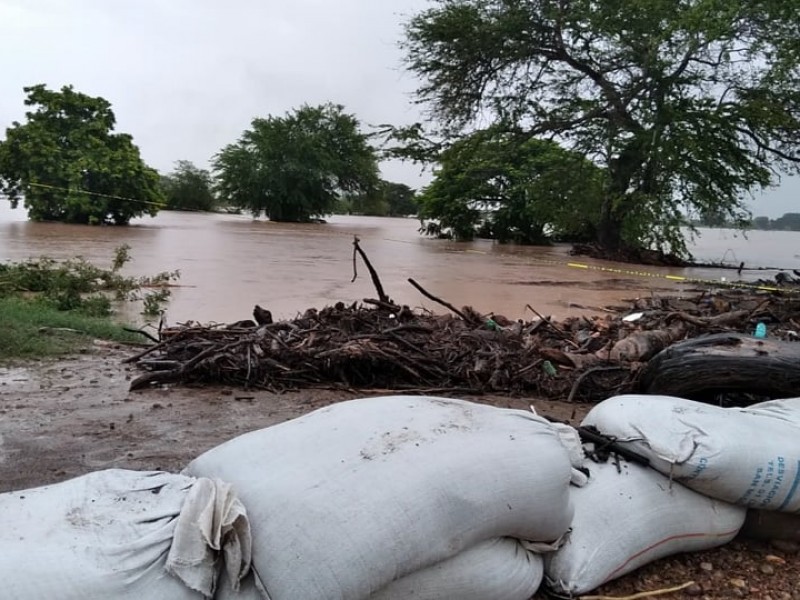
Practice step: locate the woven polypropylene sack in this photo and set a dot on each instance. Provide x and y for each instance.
(747, 456)
(629, 517)
(100, 536)
(500, 569)
(349, 498)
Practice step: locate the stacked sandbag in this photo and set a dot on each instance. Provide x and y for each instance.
(121, 534)
(746, 456)
(628, 516)
(375, 497)
(500, 569)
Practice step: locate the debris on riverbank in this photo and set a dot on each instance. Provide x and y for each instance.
(378, 345)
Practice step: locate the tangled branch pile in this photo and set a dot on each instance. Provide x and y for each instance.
(381, 346)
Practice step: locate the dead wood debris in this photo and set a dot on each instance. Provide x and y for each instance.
(380, 345)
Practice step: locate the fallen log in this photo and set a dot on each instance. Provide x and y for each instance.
(706, 366)
(642, 345)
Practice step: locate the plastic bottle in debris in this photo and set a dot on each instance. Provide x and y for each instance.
(761, 331)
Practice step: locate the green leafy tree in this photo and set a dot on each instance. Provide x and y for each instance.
(188, 188)
(762, 223)
(787, 222)
(689, 105)
(386, 199)
(296, 167)
(67, 165)
(400, 199)
(512, 188)
(371, 203)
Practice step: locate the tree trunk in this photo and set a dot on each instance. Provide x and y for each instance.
(609, 229)
(617, 201)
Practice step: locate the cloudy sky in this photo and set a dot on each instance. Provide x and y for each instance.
(185, 77)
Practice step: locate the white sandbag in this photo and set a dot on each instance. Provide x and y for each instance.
(249, 589)
(121, 534)
(624, 520)
(500, 569)
(351, 497)
(747, 456)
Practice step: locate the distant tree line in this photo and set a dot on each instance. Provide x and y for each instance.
(787, 222)
(66, 163)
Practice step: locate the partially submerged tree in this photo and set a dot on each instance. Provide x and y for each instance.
(386, 199)
(295, 167)
(188, 187)
(400, 199)
(512, 188)
(690, 105)
(67, 165)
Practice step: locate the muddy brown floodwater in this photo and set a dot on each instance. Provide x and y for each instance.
(229, 263)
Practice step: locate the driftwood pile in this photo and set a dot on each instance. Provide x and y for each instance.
(380, 346)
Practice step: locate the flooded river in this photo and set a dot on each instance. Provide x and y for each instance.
(229, 263)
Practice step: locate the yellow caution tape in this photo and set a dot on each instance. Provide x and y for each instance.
(677, 278)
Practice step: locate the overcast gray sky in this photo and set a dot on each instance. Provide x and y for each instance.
(186, 77)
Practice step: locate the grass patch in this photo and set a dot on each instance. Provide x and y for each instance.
(51, 308)
(33, 328)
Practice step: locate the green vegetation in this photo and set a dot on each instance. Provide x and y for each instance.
(296, 167)
(686, 106)
(67, 165)
(513, 188)
(787, 222)
(49, 307)
(387, 199)
(35, 329)
(188, 188)
(77, 285)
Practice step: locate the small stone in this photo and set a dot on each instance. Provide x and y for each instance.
(738, 582)
(694, 590)
(777, 560)
(767, 569)
(706, 566)
(112, 426)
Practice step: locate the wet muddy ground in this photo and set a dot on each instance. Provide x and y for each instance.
(63, 418)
